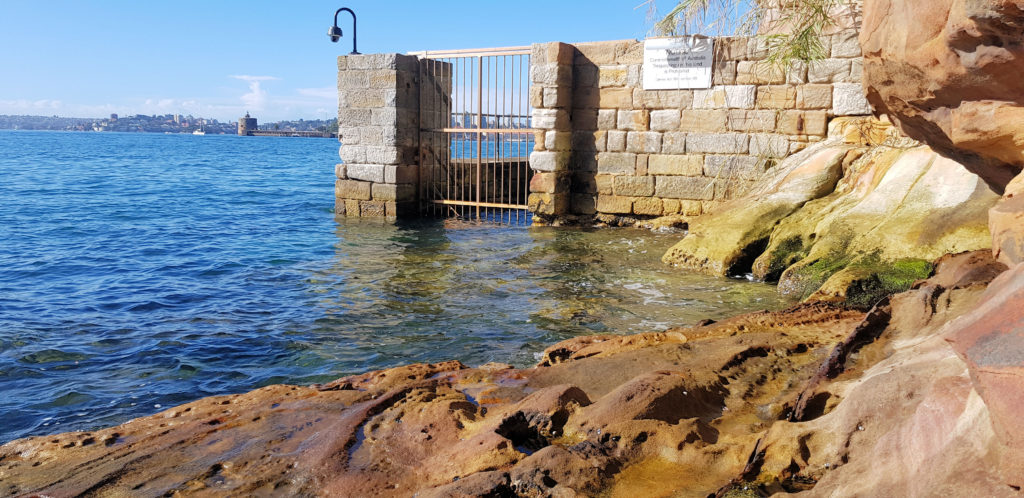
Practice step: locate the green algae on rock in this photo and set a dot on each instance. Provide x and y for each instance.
(873, 233)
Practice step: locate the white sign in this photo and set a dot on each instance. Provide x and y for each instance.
(677, 63)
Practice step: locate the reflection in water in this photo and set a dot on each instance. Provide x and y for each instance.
(436, 290)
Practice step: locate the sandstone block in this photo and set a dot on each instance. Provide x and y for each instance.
(548, 204)
(776, 97)
(848, 100)
(673, 142)
(340, 172)
(845, 45)
(352, 207)
(634, 120)
(400, 174)
(675, 165)
(723, 73)
(662, 99)
(545, 183)
(635, 186)
(829, 71)
(381, 117)
(556, 96)
(744, 167)
(759, 73)
(394, 193)
(616, 163)
(857, 70)
(713, 98)
(588, 141)
(352, 153)
(583, 182)
(551, 74)
(641, 164)
(382, 78)
(705, 120)
(385, 155)
(551, 119)
(352, 118)
(583, 162)
(549, 161)
(732, 48)
(756, 121)
(557, 140)
(536, 96)
(585, 76)
(614, 204)
(740, 96)
(609, 76)
(648, 206)
(616, 141)
(583, 204)
(352, 189)
(606, 119)
(615, 98)
(666, 120)
(643, 141)
(604, 183)
(814, 96)
(717, 143)
(366, 172)
(797, 73)
(766, 145)
(367, 98)
(353, 80)
(685, 187)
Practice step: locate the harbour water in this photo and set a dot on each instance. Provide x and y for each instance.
(140, 271)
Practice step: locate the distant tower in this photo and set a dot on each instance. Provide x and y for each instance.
(246, 125)
(113, 117)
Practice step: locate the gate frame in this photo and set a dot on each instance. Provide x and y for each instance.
(479, 131)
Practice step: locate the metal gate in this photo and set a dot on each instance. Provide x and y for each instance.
(475, 134)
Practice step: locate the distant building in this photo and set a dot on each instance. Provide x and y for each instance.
(246, 125)
(113, 117)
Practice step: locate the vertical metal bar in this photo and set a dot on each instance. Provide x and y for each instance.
(480, 121)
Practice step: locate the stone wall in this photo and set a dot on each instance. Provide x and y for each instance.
(607, 148)
(378, 126)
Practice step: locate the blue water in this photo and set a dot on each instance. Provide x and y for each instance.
(140, 271)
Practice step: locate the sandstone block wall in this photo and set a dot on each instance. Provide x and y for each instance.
(378, 126)
(645, 153)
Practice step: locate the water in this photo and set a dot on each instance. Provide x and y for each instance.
(141, 271)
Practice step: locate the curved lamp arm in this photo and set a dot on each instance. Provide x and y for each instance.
(335, 31)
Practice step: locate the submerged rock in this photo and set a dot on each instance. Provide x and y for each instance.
(871, 233)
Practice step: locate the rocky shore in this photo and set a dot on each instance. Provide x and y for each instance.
(900, 374)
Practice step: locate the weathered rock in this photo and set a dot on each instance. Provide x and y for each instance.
(890, 410)
(948, 72)
(990, 339)
(894, 211)
(855, 239)
(1006, 222)
(721, 242)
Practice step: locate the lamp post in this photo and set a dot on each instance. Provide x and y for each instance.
(335, 32)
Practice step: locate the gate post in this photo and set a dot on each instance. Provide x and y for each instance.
(378, 127)
(551, 99)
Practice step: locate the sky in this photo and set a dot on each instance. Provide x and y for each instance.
(220, 58)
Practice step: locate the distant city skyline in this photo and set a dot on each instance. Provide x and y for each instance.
(221, 59)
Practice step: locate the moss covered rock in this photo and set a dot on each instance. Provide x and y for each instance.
(873, 232)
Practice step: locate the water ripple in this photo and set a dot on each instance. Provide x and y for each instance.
(141, 270)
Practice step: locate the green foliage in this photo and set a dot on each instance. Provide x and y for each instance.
(793, 33)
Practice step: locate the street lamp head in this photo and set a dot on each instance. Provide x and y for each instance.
(335, 33)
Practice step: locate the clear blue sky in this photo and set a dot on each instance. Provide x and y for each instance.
(219, 59)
